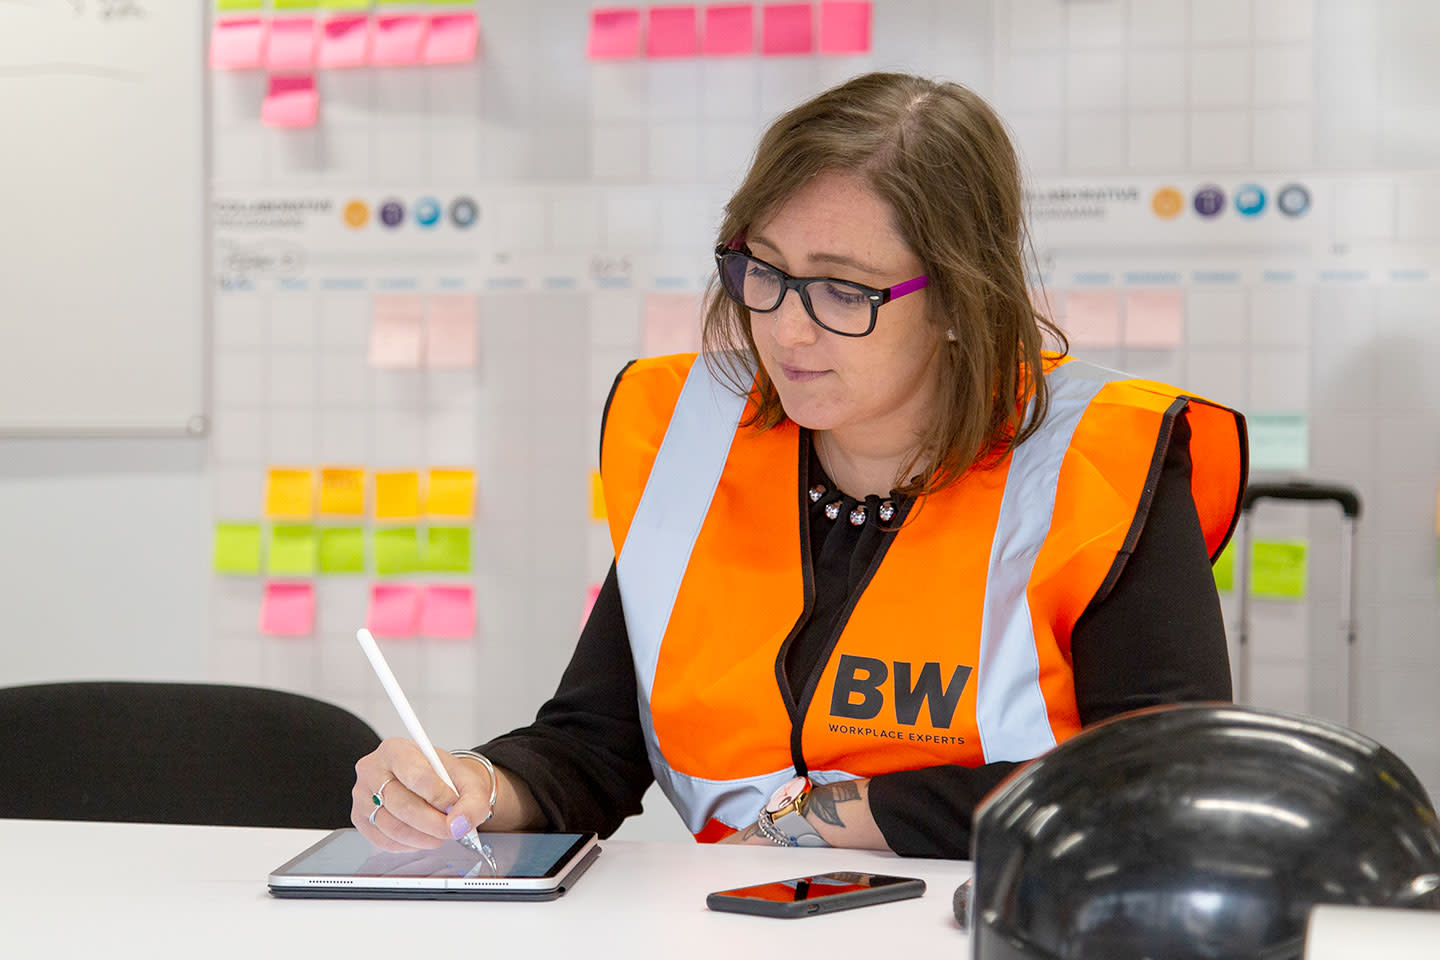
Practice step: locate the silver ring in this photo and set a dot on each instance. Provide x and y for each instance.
(378, 798)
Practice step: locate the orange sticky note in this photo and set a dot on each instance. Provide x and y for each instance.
(672, 323)
(238, 44)
(786, 28)
(450, 492)
(292, 101)
(452, 38)
(397, 330)
(342, 491)
(289, 492)
(288, 609)
(597, 497)
(451, 330)
(447, 611)
(397, 494)
(398, 41)
(672, 32)
(394, 610)
(344, 42)
(614, 34)
(1091, 318)
(845, 26)
(729, 30)
(1154, 318)
(292, 44)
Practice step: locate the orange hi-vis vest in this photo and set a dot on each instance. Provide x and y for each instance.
(957, 650)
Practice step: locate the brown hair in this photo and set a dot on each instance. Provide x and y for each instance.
(940, 158)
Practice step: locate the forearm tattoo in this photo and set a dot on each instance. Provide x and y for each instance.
(749, 833)
(824, 801)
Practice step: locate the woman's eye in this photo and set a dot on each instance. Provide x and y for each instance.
(845, 295)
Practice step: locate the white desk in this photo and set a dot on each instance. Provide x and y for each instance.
(143, 890)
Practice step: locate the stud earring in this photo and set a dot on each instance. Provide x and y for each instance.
(950, 335)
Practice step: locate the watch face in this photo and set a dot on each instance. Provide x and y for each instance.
(787, 794)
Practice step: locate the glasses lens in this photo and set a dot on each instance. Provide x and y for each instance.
(750, 282)
(840, 306)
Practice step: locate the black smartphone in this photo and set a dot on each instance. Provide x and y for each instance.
(819, 893)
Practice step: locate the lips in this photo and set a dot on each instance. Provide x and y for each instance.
(800, 374)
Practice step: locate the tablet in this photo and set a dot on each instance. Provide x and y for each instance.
(514, 866)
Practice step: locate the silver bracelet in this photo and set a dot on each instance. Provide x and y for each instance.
(767, 828)
(494, 779)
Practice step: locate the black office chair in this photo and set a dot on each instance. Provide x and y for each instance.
(177, 753)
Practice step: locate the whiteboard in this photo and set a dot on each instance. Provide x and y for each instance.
(103, 310)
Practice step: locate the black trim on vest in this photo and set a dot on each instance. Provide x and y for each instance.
(605, 414)
(1147, 495)
(807, 571)
(807, 693)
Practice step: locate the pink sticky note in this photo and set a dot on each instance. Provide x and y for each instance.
(845, 26)
(672, 33)
(394, 610)
(398, 40)
(448, 611)
(786, 29)
(1091, 318)
(672, 323)
(450, 331)
(292, 44)
(592, 593)
(238, 44)
(452, 38)
(614, 34)
(292, 101)
(288, 609)
(1154, 318)
(729, 30)
(397, 330)
(344, 42)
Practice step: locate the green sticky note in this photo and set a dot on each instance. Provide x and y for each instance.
(292, 549)
(448, 549)
(345, 4)
(1224, 568)
(1278, 441)
(342, 550)
(397, 550)
(237, 548)
(296, 4)
(1278, 569)
(228, 6)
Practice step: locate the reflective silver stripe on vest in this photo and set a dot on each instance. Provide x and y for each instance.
(1014, 722)
(1010, 708)
(657, 550)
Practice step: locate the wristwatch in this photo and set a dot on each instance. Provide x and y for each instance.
(782, 819)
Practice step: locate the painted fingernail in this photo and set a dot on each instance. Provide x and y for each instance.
(460, 827)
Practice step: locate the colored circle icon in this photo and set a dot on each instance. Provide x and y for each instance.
(1249, 200)
(356, 214)
(1293, 200)
(427, 211)
(1168, 203)
(1209, 201)
(464, 212)
(392, 213)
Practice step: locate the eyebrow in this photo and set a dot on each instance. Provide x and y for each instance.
(835, 258)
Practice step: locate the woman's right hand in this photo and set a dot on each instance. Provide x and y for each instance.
(419, 811)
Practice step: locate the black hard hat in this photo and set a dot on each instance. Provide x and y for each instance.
(1196, 831)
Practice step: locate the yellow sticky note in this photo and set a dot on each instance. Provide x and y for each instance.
(342, 491)
(450, 493)
(597, 497)
(397, 494)
(289, 492)
(1279, 569)
(1224, 568)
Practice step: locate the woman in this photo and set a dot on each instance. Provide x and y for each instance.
(874, 548)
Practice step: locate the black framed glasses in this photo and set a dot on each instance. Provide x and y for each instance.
(840, 306)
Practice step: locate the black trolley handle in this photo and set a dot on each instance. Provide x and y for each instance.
(1346, 497)
(1304, 490)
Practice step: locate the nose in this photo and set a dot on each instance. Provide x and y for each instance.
(791, 324)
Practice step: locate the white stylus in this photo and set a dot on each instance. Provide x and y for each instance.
(412, 722)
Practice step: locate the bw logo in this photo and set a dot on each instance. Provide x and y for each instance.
(863, 677)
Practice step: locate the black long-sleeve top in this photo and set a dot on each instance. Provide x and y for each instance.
(1157, 637)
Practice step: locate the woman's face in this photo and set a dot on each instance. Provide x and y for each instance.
(870, 391)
